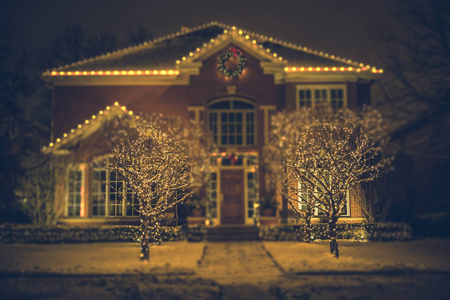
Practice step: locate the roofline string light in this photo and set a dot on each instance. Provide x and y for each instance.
(87, 122)
(359, 67)
(115, 73)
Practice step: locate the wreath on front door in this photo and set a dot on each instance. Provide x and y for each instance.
(242, 62)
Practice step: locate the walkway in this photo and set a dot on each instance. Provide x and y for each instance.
(238, 263)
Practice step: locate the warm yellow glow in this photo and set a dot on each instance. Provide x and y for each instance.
(85, 73)
(310, 69)
(116, 72)
(294, 69)
(139, 72)
(334, 69)
(108, 108)
(147, 72)
(350, 69)
(51, 144)
(170, 72)
(116, 103)
(177, 72)
(65, 135)
(223, 153)
(72, 130)
(124, 108)
(137, 117)
(233, 28)
(130, 72)
(317, 69)
(247, 37)
(240, 31)
(58, 140)
(93, 73)
(342, 69)
(302, 69)
(286, 69)
(326, 69)
(130, 112)
(54, 73)
(77, 73)
(254, 42)
(93, 117)
(155, 72)
(61, 73)
(163, 72)
(69, 73)
(79, 125)
(124, 72)
(86, 121)
(101, 112)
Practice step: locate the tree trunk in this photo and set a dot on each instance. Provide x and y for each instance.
(308, 229)
(334, 247)
(145, 239)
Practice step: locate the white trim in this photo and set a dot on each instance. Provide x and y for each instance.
(314, 87)
(75, 168)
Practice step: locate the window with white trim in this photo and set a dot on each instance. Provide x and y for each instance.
(232, 123)
(312, 95)
(74, 192)
(303, 198)
(108, 195)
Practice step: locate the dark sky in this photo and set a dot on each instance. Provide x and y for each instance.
(344, 28)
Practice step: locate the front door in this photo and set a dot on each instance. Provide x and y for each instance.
(232, 190)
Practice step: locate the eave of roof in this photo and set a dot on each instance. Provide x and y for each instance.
(90, 125)
(165, 55)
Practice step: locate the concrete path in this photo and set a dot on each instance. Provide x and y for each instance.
(238, 263)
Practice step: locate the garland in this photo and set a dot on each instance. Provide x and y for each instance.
(225, 56)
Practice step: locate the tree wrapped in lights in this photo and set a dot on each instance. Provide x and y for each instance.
(277, 156)
(162, 163)
(325, 155)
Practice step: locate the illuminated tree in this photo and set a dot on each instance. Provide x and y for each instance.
(326, 155)
(277, 155)
(162, 162)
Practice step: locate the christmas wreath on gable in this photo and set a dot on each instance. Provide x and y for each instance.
(242, 62)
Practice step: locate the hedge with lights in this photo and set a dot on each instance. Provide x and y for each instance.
(13, 233)
(225, 56)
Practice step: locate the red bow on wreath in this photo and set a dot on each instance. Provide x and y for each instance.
(235, 52)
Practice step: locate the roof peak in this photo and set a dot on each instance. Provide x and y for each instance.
(263, 41)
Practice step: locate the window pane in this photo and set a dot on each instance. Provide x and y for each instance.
(242, 105)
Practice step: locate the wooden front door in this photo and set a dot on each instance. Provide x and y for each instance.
(232, 190)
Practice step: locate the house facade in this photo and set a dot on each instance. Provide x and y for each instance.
(228, 79)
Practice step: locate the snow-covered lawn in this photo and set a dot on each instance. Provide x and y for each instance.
(246, 270)
(420, 256)
(98, 258)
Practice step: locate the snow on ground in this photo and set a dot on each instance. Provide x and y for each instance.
(98, 258)
(420, 255)
(235, 270)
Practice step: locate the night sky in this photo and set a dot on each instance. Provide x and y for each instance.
(345, 28)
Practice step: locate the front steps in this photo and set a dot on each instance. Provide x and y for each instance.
(232, 233)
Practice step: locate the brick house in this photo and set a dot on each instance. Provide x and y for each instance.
(178, 74)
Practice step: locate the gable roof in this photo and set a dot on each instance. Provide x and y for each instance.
(175, 53)
(90, 126)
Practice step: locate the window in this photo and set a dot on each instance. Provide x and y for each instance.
(303, 197)
(232, 122)
(74, 193)
(310, 96)
(212, 194)
(108, 194)
(252, 192)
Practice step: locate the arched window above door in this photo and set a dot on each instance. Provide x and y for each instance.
(232, 122)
